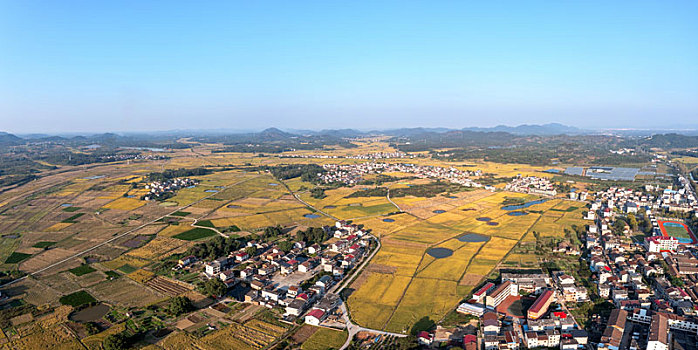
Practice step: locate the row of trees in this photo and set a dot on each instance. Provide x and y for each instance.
(307, 172)
(312, 235)
(175, 173)
(219, 246)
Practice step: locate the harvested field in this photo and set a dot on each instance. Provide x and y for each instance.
(167, 286)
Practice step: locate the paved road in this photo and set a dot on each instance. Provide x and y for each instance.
(391, 201)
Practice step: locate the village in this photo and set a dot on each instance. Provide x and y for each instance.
(302, 281)
(377, 155)
(352, 174)
(648, 287)
(160, 190)
(532, 185)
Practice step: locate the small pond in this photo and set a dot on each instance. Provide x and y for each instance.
(388, 220)
(439, 211)
(232, 206)
(525, 205)
(211, 191)
(311, 216)
(330, 206)
(517, 213)
(473, 238)
(439, 253)
(66, 205)
(493, 223)
(483, 218)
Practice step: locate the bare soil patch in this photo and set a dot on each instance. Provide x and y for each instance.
(470, 279)
(303, 334)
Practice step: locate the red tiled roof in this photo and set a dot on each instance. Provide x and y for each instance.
(317, 313)
(484, 288)
(542, 299)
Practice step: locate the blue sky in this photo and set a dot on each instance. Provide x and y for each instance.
(148, 65)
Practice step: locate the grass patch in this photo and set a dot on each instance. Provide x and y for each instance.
(78, 298)
(205, 223)
(15, 258)
(568, 210)
(195, 234)
(127, 268)
(71, 220)
(43, 244)
(83, 269)
(180, 213)
(71, 209)
(325, 338)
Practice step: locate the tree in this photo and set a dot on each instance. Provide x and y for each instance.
(632, 221)
(251, 251)
(619, 226)
(180, 305)
(91, 328)
(214, 287)
(114, 342)
(285, 245)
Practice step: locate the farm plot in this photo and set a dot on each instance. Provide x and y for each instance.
(376, 298)
(124, 203)
(325, 338)
(166, 286)
(253, 222)
(160, 247)
(402, 257)
(425, 297)
(453, 267)
(195, 234)
(425, 232)
(237, 336)
(490, 255)
(123, 291)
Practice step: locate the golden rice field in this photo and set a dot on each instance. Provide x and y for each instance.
(124, 203)
(125, 260)
(58, 226)
(173, 230)
(159, 248)
(403, 284)
(141, 276)
(325, 338)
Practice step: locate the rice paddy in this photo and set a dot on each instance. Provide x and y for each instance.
(437, 256)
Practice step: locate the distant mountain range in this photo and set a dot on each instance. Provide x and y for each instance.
(532, 129)
(7, 139)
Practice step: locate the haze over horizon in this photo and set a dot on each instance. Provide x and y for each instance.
(133, 66)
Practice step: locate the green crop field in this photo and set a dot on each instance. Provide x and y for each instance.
(82, 270)
(195, 234)
(16, 257)
(78, 298)
(43, 244)
(71, 220)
